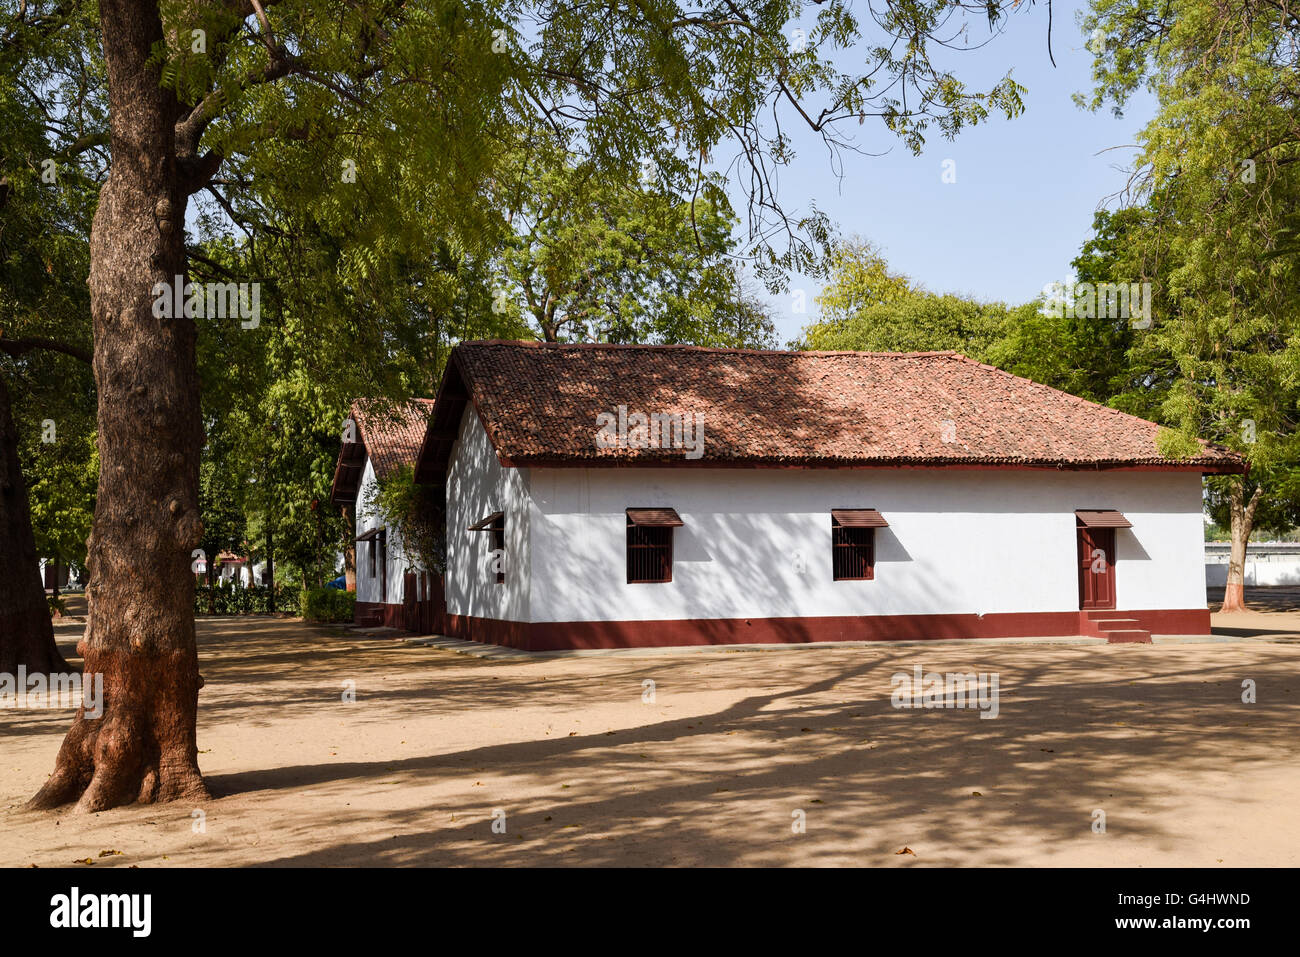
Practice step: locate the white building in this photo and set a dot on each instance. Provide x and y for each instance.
(378, 441)
(615, 496)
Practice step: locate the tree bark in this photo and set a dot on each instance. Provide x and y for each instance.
(349, 551)
(140, 631)
(26, 635)
(1243, 520)
(270, 571)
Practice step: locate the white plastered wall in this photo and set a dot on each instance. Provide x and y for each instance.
(371, 588)
(756, 542)
(477, 486)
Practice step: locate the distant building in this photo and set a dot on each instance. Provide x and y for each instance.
(56, 575)
(378, 442)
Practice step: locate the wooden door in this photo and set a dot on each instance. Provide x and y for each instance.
(433, 607)
(1096, 567)
(410, 603)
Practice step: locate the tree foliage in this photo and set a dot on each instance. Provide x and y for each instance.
(588, 260)
(51, 166)
(1218, 187)
(417, 512)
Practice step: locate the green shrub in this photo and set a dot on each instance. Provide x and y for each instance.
(327, 604)
(57, 607)
(227, 598)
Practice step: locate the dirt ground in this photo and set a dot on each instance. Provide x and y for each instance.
(715, 769)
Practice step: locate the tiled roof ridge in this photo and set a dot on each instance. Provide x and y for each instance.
(362, 403)
(722, 350)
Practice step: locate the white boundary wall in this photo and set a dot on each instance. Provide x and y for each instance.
(1267, 563)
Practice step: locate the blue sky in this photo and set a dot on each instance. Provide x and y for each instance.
(1025, 191)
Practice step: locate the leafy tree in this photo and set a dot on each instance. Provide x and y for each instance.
(868, 307)
(50, 168)
(221, 503)
(1084, 351)
(1218, 184)
(390, 125)
(63, 494)
(591, 260)
(922, 323)
(417, 512)
(859, 279)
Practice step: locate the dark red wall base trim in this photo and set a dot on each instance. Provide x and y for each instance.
(556, 636)
(376, 613)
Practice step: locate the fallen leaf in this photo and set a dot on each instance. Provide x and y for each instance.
(906, 850)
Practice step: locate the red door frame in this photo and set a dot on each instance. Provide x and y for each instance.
(1096, 571)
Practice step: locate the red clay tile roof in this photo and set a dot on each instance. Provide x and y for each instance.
(539, 404)
(389, 435)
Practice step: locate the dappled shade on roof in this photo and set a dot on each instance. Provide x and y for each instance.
(539, 403)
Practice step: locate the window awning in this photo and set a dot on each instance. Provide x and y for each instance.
(1102, 518)
(482, 525)
(661, 517)
(373, 533)
(859, 518)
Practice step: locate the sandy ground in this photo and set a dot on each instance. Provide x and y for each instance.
(714, 769)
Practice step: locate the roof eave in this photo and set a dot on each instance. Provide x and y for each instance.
(569, 462)
(348, 470)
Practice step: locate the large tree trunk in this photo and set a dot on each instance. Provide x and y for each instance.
(26, 636)
(140, 632)
(1243, 520)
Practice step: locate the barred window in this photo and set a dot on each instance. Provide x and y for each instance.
(495, 525)
(650, 544)
(499, 547)
(853, 552)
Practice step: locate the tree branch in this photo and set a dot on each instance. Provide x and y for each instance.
(18, 347)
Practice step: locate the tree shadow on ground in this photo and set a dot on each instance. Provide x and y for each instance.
(1080, 729)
